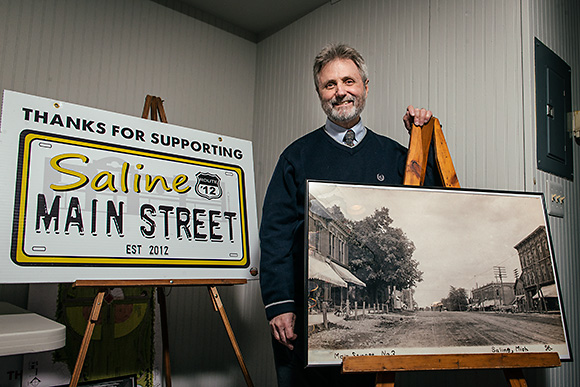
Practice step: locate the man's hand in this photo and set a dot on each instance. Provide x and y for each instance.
(282, 327)
(417, 116)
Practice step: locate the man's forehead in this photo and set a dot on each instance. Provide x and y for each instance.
(337, 66)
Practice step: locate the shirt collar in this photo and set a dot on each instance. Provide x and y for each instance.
(337, 132)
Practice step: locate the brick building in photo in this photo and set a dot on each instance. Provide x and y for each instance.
(537, 272)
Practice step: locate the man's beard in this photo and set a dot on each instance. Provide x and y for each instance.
(340, 115)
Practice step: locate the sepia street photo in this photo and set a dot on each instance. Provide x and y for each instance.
(407, 270)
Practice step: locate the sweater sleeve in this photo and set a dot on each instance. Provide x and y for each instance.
(281, 220)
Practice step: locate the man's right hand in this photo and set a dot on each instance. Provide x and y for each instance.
(416, 116)
(282, 327)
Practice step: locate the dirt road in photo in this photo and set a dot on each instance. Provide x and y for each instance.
(440, 329)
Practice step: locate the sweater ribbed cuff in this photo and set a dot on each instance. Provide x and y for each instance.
(276, 308)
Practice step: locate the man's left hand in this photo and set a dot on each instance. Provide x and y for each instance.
(417, 116)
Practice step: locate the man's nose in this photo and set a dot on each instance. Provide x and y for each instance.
(340, 90)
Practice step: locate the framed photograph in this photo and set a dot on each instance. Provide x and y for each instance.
(414, 270)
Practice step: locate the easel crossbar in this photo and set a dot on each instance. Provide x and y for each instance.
(159, 282)
(449, 362)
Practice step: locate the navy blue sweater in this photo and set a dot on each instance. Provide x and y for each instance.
(375, 160)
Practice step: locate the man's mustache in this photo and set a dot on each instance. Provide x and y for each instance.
(337, 101)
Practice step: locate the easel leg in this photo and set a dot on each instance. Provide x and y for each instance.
(164, 335)
(385, 379)
(219, 307)
(515, 377)
(94, 316)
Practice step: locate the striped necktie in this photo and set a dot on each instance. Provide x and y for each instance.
(349, 138)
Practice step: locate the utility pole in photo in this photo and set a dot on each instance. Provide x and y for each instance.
(500, 273)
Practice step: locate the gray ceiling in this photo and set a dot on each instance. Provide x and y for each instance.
(251, 19)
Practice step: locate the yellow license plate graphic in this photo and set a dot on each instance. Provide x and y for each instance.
(80, 202)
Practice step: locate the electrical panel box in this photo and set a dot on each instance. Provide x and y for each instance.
(553, 108)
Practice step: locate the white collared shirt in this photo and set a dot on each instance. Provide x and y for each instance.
(337, 132)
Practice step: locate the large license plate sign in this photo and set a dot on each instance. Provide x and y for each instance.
(84, 202)
(101, 195)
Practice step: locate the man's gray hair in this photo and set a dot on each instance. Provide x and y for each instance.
(338, 51)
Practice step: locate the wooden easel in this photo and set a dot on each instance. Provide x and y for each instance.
(155, 106)
(386, 367)
(512, 364)
(418, 153)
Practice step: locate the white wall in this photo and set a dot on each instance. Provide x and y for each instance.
(461, 59)
(555, 23)
(471, 62)
(111, 54)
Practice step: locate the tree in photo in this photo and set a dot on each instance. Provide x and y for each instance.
(456, 300)
(381, 255)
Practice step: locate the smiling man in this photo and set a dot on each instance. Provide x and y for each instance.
(342, 91)
(341, 150)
